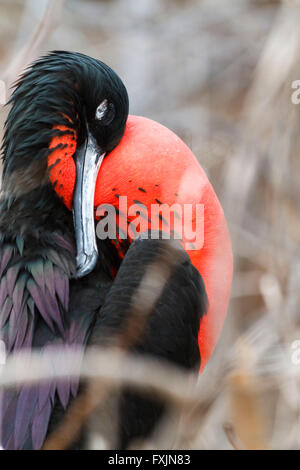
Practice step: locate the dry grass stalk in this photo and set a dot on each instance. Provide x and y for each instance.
(32, 46)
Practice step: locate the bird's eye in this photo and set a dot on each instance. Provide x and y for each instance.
(101, 110)
(105, 112)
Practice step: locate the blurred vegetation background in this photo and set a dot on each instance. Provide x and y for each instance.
(219, 74)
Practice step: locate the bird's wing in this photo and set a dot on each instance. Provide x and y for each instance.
(40, 309)
(158, 288)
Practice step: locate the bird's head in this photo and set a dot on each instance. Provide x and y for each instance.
(69, 111)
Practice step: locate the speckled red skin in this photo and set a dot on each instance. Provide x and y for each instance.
(151, 163)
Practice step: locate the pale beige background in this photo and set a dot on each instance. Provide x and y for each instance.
(219, 74)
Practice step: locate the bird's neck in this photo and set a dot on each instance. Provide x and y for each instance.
(33, 212)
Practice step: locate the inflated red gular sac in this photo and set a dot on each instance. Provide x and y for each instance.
(70, 151)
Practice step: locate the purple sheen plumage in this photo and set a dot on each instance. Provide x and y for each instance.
(18, 292)
(27, 342)
(40, 288)
(53, 392)
(39, 300)
(9, 404)
(9, 445)
(40, 424)
(61, 286)
(67, 294)
(27, 402)
(58, 262)
(64, 243)
(30, 303)
(54, 311)
(21, 330)
(18, 322)
(6, 309)
(63, 390)
(39, 279)
(12, 329)
(40, 282)
(47, 389)
(6, 255)
(7, 398)
(11, 277)
(8, 413)
(3, 290)
(44, 394)
(65, 267)
(49, 275)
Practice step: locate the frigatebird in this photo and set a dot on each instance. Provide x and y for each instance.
(68, 147)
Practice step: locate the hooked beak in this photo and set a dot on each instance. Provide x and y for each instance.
(88, 161)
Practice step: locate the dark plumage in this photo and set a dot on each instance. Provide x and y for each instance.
(42, 304)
